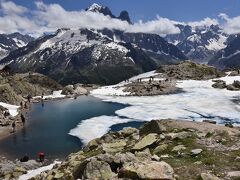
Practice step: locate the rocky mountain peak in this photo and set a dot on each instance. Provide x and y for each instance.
(124, 16)
(100, 9)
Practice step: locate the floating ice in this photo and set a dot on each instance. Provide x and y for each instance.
(95, 127)
(199, 101)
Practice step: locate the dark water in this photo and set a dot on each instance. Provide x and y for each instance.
(48, 127)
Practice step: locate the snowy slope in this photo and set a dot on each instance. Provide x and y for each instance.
(10, 42)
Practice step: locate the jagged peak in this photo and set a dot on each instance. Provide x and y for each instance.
(124, 16)
(94, 7)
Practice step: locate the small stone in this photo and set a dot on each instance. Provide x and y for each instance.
(180, 135)
(178, 148)
(195, 152)
(208, 176)
(58, 175)
(155, 157)
(237, 158)
(210, 121)
(229, 125)
(198, 162)
(234, 174)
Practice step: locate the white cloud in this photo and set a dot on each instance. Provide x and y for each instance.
(205, 22)
(11, 8)
(161, 26)
(230, 25)
(49, 17)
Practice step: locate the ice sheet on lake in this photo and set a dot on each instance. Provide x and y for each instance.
(95, 127)
(199, 101)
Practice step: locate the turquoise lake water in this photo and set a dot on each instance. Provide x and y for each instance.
(48, 127)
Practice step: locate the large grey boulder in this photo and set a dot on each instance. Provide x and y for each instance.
(153, 126)
(114, 147)
(147, 170)
(145, 142)
(98, 170)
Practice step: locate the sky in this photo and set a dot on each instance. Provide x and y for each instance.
(153, 16)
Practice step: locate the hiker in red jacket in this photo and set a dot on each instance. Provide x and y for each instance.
(41, 156)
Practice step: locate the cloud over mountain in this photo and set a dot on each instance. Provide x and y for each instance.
(49, 17)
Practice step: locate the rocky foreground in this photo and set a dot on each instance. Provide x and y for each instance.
(164, 149)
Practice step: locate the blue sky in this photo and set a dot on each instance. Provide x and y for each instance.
(157, 16)
(180, 10)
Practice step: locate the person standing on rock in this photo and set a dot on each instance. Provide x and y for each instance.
(23, 119)
(13, 126)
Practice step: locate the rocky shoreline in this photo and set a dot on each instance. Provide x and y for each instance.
(162, 149)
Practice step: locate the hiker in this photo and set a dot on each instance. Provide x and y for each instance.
(21, 104)
(42, 95)
(25, 158)
(41, 156)
(23, 119)
(29, 97)
(13, 126)
(25, 105)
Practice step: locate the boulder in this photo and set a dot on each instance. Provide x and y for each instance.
(147, 170)
(231, 87)
(128, 131)
(236, 84)
(114, 147)
(219, 85)
(145, 142)
(143, 156)
(153, 126)
(98, 170)
(80, 91)
(161, 148)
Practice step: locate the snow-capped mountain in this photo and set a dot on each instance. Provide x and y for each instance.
(228, 57)
(124, 16)
(154, 45)
(199, 43)
(81, 55)
(94, 56)
(10, 42)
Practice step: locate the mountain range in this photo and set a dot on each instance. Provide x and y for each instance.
(109, 56)
(229, 57)
(10, 42)
(199, 43)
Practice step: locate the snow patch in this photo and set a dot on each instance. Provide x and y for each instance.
(13, 110)
(55, 95)
(32, 173)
